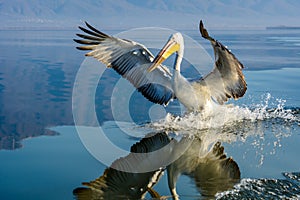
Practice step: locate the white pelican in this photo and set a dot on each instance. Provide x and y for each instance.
(134, 62)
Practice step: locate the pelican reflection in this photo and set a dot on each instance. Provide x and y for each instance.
(207, 164)
(200, 157)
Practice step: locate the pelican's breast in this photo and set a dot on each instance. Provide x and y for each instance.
(185, 92)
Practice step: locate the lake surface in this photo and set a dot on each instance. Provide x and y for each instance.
(45, 156)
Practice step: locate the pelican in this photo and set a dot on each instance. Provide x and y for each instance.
(137, 64)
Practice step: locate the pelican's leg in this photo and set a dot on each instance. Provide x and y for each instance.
(153, 193)
(173, 175)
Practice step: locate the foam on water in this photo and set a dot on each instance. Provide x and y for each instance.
(229, 115)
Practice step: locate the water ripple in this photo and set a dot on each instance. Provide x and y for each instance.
(288, 188)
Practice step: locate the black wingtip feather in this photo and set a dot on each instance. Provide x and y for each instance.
(95, 30)
(204, 32)
(84, 48)
(88, 42)
(200, 25)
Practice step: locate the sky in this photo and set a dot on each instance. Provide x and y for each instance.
(134, 13)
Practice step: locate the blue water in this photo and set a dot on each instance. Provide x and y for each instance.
(43, 157)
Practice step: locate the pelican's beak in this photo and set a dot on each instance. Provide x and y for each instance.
(170, 47)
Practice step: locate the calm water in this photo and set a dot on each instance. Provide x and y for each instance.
(43, 157)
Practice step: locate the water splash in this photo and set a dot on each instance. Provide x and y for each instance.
(269, 108)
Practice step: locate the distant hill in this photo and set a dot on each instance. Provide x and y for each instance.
(136, 13)
(283, 27)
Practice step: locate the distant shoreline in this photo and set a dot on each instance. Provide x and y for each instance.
(283, 27)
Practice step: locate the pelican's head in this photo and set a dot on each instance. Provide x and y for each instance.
(174, 44)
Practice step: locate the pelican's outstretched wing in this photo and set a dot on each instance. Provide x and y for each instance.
(226, 80)
(129, 59)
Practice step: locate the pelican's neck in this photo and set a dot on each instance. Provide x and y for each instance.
(179, 54)
(178, 61)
